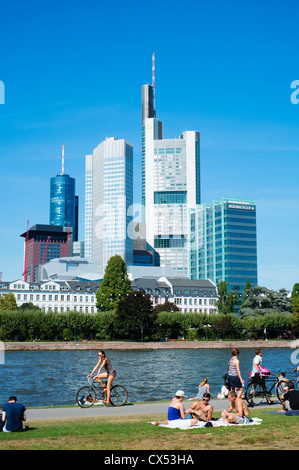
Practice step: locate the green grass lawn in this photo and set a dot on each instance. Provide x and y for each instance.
(276, 432)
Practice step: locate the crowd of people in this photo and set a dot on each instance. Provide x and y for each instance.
(237, 411)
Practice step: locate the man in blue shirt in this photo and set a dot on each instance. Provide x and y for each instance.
(13, 415)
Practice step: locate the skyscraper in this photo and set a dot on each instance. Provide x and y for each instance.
(112, 196)
(63, 202)
(43, 243)
(224, 243)
(88, 206)
(170, 184)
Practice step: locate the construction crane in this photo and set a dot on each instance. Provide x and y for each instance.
(46, 250)
(26, 253)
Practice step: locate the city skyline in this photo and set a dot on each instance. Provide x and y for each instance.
(230, 69)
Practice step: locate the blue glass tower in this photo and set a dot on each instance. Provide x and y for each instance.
(63, 201)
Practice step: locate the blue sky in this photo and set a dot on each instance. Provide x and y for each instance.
(73, 73)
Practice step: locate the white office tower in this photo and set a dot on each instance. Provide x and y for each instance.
(170, 186)
(112, 196)
(88, 206)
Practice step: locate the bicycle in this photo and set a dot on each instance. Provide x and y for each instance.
(257, 389)
(90, 394)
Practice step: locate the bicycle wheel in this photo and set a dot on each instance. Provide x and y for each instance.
(279, 390)
(85, 396)
(254, 393)
(118, 395)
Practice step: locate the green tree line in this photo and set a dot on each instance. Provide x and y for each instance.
(29, 325)
(129, 315)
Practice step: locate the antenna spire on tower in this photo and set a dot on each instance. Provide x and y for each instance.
(62, 160)
(153, 78)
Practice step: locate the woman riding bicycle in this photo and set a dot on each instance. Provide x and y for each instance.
(109, 374)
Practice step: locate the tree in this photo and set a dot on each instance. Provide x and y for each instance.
(135, 317)
(295, 306)
(29, 306)
(167, 307)
(295, 291)
(261, 301)
(227, 299)
(8, 302)
(223, 326)
(114, 286)
(246, 289)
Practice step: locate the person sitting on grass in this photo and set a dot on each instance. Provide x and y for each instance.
(177, 414)
(202, 409)
(203, 387)
(282, 378)
(13, 415)
(290, 399)
(242, 415)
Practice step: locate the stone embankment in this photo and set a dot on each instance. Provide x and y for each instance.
(124, 345)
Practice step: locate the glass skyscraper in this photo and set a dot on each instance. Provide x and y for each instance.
(112, 197)
(170, 184)
(63, 202)
(224, 243)
(88, 206)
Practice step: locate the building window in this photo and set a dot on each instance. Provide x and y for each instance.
(170, 197)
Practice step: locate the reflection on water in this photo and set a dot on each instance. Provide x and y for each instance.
(45, 378)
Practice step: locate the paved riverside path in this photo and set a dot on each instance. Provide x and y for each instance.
(98, 411)
(125, 410)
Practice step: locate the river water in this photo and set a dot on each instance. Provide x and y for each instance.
(46, 378)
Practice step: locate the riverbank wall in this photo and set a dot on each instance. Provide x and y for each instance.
(125, 345)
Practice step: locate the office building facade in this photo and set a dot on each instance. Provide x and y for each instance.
(73, 295)
(112, 196)
(64, 203)
(170, 184)
(43, 243)
(224, 243)
(88, 207)
(54, 296)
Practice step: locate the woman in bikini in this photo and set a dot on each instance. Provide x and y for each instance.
(109, 373)
(177, 414)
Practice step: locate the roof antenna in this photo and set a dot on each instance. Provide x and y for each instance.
(62, 160)
(153, 78)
